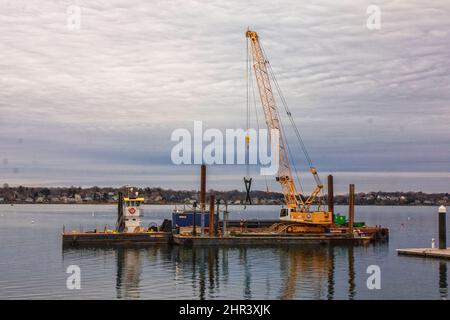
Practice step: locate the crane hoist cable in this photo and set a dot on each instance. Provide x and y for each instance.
(247, 178)
(286, 108)
(290, 155)
(294, 126)
(282, 124)
(256, 116)
(270, 73)
(297, 132)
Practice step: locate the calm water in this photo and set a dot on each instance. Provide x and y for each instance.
(33, 263)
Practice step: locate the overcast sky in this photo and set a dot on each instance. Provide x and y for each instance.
(97, 106)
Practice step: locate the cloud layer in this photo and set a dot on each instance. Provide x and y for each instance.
(99, 104)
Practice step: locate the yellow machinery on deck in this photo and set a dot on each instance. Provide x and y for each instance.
(297, 215)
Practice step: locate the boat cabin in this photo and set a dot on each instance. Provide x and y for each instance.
(132, 213)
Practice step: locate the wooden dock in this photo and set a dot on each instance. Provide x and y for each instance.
(426, 252)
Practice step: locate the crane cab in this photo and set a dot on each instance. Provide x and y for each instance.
(285, 213)
(132, 213)
(313, 217)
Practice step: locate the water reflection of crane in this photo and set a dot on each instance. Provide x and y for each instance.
(319, 261)
(296, 261)
(304, 271)
(210, 270)
(210, 266)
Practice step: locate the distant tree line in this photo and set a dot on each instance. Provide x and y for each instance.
(94, 195)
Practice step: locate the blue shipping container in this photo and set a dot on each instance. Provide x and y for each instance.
(185, 219)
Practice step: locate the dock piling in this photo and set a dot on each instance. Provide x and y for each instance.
(442, 227)
(351, 208)
(225, 220)
(202, 187)
(202, 197)
(120, 220)
(217, 217)
(211, 215)
(331, 196)
(194, 224)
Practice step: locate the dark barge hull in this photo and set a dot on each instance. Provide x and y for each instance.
(112, 239)
(250, 235)
(270, 240)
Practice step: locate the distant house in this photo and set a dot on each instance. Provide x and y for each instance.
(54, 199)
(29, 200)
(78, 198)
(39, 199)
(2, 199)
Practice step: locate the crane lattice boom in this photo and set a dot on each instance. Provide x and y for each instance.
(297, 208)
(284, 174)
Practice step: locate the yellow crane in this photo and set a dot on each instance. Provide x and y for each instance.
(297, 210)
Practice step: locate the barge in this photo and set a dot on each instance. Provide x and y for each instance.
(128, 230)
(268, 239)
(210, 226)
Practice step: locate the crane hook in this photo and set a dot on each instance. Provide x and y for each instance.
(248, 185)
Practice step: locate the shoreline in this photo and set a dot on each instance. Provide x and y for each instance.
(182, 204)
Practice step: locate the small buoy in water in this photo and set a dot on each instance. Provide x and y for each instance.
(93, 214)
(32, 221)
(409, 218)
